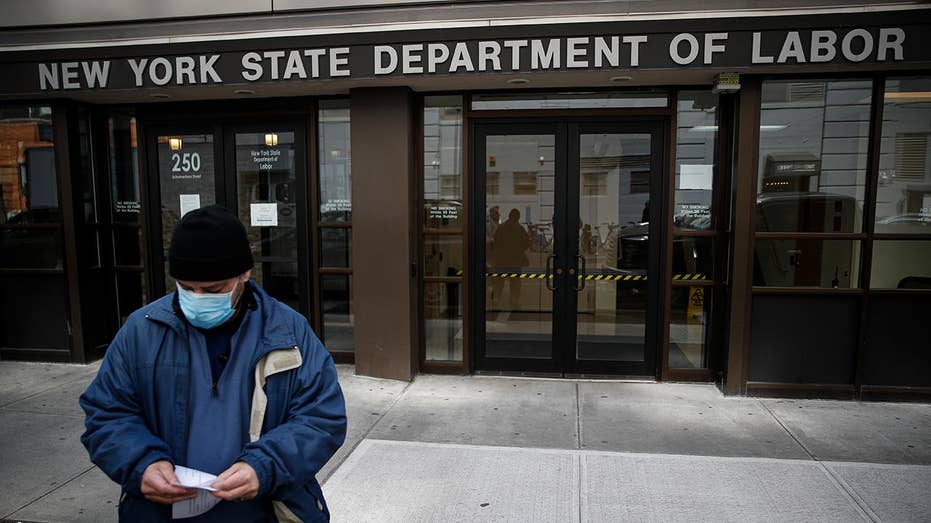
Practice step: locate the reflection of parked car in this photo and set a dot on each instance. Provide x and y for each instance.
(834, 263)
(634, 248)
(905, 223)
(689, 255)
(694, 222)
(806, 212)
(806, 261)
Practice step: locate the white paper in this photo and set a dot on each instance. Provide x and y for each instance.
(696, 176)
(264, 214)
(191, 478)
(189, 202)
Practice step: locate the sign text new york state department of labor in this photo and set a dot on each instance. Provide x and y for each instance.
(715, 49)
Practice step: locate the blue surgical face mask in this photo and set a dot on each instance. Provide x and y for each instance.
(205, 310)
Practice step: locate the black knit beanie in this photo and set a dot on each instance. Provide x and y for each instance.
(209, 244)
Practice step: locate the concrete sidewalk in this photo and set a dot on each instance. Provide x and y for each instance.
(447, 448)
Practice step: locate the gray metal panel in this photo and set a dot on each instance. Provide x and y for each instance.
(607, 6)
(64, 12)
(484, 11)
(305, 5)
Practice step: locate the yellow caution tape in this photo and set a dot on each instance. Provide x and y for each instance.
(697, 276)
(591, 277)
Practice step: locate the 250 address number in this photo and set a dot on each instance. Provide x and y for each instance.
(187, 162)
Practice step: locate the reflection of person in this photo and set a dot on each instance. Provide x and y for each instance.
(645, 217)
(511, 244)
(586, 242)
(217, 376)
(491, 226)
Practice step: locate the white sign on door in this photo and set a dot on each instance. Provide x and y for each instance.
(264, 214)
(189, 202)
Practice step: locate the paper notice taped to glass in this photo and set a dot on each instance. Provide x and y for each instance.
(189, 202)
(263, 214)
(696, 177)
(192, 478)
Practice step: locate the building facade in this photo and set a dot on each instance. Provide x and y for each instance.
(738, 193)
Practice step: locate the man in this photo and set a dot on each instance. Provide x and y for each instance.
(220, 377)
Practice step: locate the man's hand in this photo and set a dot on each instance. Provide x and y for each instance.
(237, 483)
(158, 484)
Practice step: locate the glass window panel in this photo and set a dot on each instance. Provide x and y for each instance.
(813, 155)
(689, 319)
(809, 212)
(28, 182)
(577, 100)
(337, 313)
(903, 197)
(124, 168)
(901, 264)
(614, 206)
(806, 263)
(335, 167)
(594, 184)
(279, 279)
(443, 321)
(492, 183)
(692, 258)
(525, 183)
(336, 244)
(442, 167)
(30, 249)
(695, 159)
(518, 241)
(614, 242)
(127, 245)
(442, 255)
(34, 312)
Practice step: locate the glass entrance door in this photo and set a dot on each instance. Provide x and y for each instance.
(568, 253)
(520, 246)
(257, 171)
(266, 159)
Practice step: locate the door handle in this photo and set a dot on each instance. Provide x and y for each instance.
(580, 280)
(548, 276)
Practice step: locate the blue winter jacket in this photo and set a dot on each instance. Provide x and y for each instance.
(137, 407)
